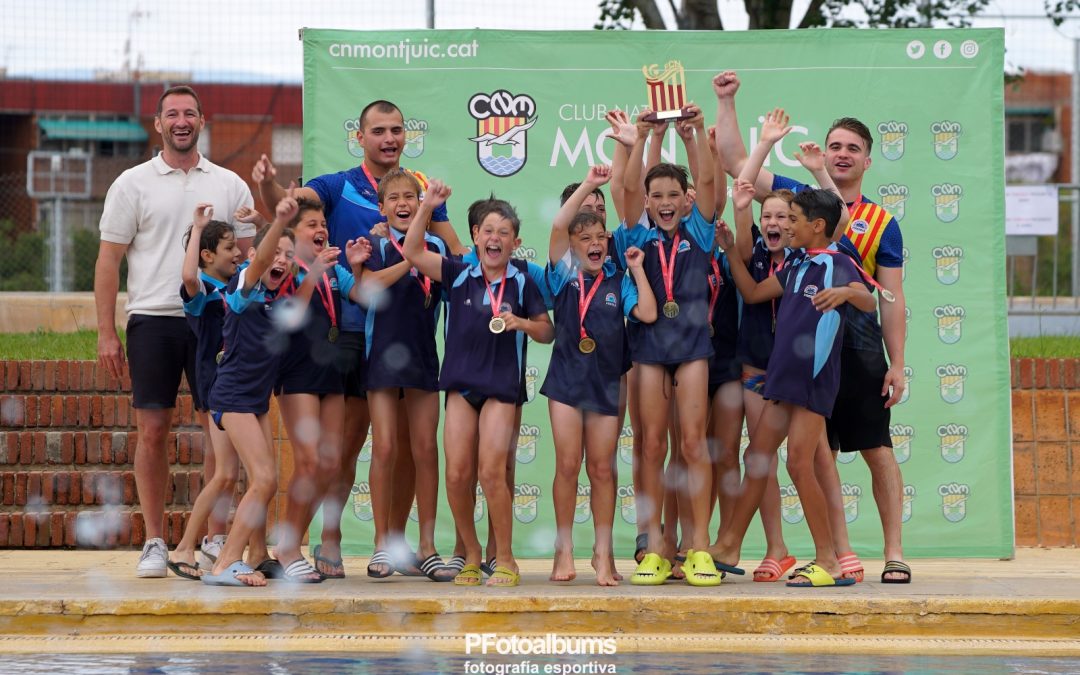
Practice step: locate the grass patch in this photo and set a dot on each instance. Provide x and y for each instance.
(1045, 347)
(82, 345)
(48, 346)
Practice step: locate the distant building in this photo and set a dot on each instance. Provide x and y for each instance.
(1038, 128)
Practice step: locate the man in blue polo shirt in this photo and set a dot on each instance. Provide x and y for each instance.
(351, 203)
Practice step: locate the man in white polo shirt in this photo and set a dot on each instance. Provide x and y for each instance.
(147, 210)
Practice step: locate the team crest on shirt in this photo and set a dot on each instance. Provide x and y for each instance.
(502, 124)
(684, 246)
(810, 290)
(526, 498)
(610, 300)
(954, 498)
(860, 226)
(893, 135)
(893, 198)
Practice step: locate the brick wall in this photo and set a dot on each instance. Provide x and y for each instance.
(67, 440)
(1046, 451)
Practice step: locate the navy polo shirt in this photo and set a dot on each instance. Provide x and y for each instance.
(205, 312)
(351, 204)
(686, 337)
(589, 381)
(804, 368)
(476, 360)
(400, 331)
(755, 342)
(724, 366)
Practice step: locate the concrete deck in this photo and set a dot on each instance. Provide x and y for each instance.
(90, 601)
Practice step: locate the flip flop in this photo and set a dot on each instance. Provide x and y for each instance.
(851, 567)
(408, 566)
(642, 544)
(229, 576)
(724, 567)
(180, 569)
(436, 570)
(488, 567)
(505, 575)
(700, 569)
(315, 553)
(271, 569)
(300, 571)
(772, 569)
(896, 567)
(470, 575)
(817, 577)
(651, 571)
(380, 558)
(457, 562)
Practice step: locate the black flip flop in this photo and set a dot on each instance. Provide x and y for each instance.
(315, 553)
(433, 565)
(642, 544)
(271, 569)
(488, 568)
(896, 567)
(178, 568)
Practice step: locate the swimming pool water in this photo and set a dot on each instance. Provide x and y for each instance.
(421, 663)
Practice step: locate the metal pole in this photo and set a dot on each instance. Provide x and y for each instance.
(56, 283)
(431, 13)
(1074, 171)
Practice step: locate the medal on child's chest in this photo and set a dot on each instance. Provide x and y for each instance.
(586, 345)
(497, 324)
(667, 271)
(332, 334)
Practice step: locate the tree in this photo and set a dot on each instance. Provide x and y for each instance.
(705, 15)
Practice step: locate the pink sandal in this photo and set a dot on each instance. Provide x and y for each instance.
(772, 570)
(851, 567)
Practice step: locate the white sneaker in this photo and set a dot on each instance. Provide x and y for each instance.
(209, 550)
(154, 556)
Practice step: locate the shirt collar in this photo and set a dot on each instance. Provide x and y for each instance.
(477, 270)
(162, 168)
(216, 283)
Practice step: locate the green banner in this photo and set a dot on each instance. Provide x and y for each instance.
(932, 98)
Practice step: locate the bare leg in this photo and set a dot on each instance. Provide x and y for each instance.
(888, 486)
(460, 432)
(356, 424)
(383, 404)
(496, 432)
(725, 422)
(152, 466)
(423, 416)
(567, 429)
(804, 436)
(692, 394)
(601, 437)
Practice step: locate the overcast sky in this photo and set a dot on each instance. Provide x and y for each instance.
(258, 38)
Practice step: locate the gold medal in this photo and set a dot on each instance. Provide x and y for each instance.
(220, 356)
(496, 325)
(671, 309)
(332, 335)
(887, 295)
(427, 302)
(587, 345)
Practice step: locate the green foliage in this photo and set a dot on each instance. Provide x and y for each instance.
(22, 267)
(1045, 347)
(615, 15)
(49, 346)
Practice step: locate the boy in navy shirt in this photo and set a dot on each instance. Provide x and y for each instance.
(211, 256)
(803, 372)
(491, 308)
(582, 385)
(403, 363)
(254, 340)
(673, 353)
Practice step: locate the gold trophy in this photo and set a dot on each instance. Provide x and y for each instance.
(667, 92)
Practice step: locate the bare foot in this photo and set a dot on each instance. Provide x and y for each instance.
(252, 579)
(606, 574)
(724, 555)
(563, 568)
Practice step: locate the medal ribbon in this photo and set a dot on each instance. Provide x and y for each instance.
(425, 282)
(371, 179)
(714, 287)
(667, 267)
(584, 300)
(326, 298)
(496, 303)
(887, 294)
(773, 269)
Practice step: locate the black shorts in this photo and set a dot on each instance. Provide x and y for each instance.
(860, 420)
(159, 350)
(352, 362)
